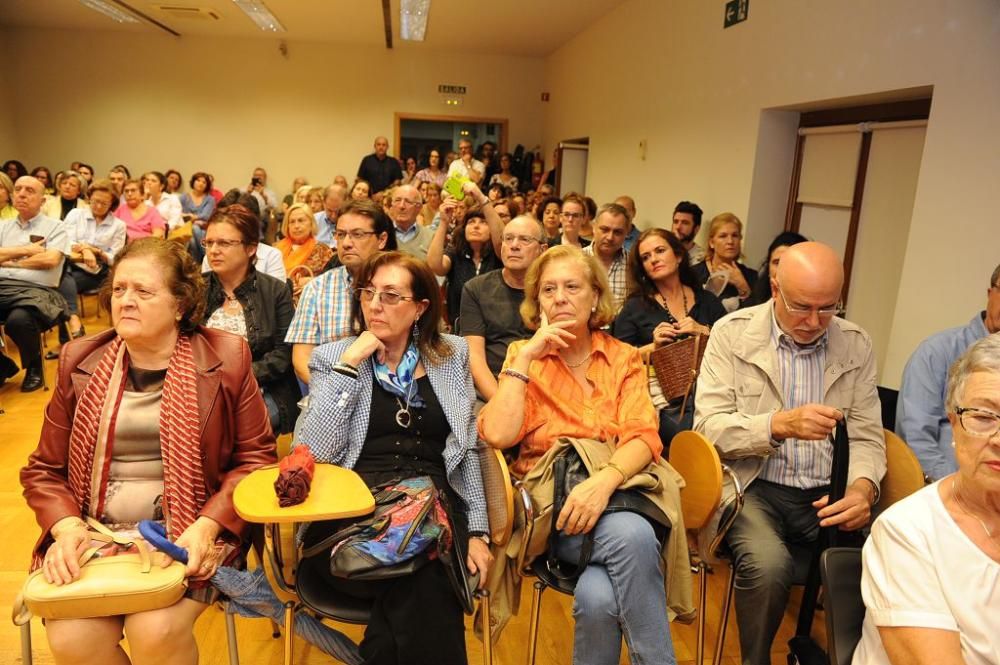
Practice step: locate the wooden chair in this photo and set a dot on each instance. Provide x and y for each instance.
(698, 462)
(903, 475)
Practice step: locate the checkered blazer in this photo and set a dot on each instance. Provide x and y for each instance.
(335, 424)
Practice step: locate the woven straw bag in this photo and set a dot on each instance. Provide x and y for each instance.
(676, 366)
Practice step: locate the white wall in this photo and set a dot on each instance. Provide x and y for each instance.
(9, 145)
(669, 73)
(227, 105)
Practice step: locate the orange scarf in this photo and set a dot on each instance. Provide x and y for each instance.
(293, 257)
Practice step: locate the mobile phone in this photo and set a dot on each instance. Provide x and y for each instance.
(255, 181)
(33, 238)
(453, 186)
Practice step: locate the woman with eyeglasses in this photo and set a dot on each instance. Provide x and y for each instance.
(253, 305)
(721, 272)
(303, 255)
(142, 220)
(931, 568)
(474, 251)
(393, 402)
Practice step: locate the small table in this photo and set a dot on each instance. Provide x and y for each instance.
(336, 492)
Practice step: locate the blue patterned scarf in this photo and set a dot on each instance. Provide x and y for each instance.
(401, 383)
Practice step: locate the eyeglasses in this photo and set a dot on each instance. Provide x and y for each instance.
(979, 422)
(356, 234)
(221, 244)
(510, 239)
(572, 215)
(806, 311)
(402, 201)
(385, 297)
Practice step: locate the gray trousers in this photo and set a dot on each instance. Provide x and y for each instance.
(771, 543)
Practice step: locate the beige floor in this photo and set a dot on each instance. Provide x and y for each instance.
(19, 429)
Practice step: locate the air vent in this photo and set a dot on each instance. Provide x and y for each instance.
(192, 13)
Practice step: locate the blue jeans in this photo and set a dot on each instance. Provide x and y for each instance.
(620, 594)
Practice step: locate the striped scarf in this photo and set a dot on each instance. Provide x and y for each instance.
(92, 437)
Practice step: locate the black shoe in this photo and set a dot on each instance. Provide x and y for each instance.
(8, 368)
(79, 333)
(52, 355)
(32, 380)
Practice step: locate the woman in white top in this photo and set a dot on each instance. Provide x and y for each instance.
(168, 205)
(931, 580)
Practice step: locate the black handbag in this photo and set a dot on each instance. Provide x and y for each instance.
(568, 471)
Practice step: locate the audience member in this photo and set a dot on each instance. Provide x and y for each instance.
(685, 224)
(762, 287)
(326, 220)
(94, 237)
(775, 380)
(197, 207)
(324, 311)
(7, 209)
(175, 182)
(433, 172)
(609, 238)
(269, 259)
(411, 237)
(396, 402)
(168, 205)
(666, 303)
(932, 562)
(490, 318)
(721, 272)
(921, 419)
(505, 177)
(156, 418)
(628, 203)
(267, 200)
(505, 210)
(360, 190)
(31, 260)
(572, 381)
(409, 172)
(142, 220)
(574, 211)
(589, 213)
(303, 255)
(431, 195)
(315, 198)
(71, 187)
(15, 170)
(43, 174)
(340, 180)
(298, 184)
(549, 213)
(118, 175)
(466, 166)
(255, 306)
(475, 250)
(86, 172)
(379, 169)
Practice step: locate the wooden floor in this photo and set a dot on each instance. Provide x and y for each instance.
(19, 429)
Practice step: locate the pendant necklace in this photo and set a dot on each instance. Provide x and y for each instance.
(684, 300)
(961, 504)
(403, 418)
(576, 365)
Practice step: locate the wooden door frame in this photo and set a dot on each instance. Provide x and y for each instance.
(398, 118)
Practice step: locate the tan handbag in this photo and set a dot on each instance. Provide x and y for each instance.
(676, 366)
(293, 277)
(107, 586)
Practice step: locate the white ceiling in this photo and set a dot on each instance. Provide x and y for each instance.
(504, 27)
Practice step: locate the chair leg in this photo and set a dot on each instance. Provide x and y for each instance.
(727, 602)
(26, 643)
(484, 611)
(536, 608)
(289, 630)
(234, 653)
(702, 607)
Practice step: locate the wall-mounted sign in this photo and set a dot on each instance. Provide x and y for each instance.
(736, 12)
(451, 89)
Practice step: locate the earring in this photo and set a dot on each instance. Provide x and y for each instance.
(416, 331)
(593, 309)
(177, 317)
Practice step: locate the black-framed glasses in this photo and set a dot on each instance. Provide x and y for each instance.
(385, 297)
(979, 422)
(356, 234)
(806, 311)
(221, 244)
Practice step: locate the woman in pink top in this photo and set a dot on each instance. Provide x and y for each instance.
(141, 220)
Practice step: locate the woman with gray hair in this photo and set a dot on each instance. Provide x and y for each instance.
(931, 580)
(71, 189)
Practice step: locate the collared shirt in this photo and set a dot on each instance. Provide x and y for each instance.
(616, 275)
(795, 463)
(408, 234)
(269, 261)
(170, 210)
(380, 173)
(14, 233)
(630, 239)
(108, 235)
(324, 311)
(555, 404)
(327, 227)
(920, 416)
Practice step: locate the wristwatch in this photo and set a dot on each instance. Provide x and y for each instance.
(481, 535)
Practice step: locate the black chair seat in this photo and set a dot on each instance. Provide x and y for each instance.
(540, 570)
(315, 593)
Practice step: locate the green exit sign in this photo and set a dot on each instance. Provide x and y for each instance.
(736, 12)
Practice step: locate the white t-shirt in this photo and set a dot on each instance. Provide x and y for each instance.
(458, 168)
(921, 570)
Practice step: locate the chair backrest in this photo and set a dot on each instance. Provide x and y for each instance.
(499, 493)
(903, 475)
(840, 570)
(695, 458)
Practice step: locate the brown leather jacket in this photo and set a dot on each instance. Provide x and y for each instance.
(236, 435)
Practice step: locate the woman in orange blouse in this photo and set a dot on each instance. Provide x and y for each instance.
(571, 379)
(304, 256)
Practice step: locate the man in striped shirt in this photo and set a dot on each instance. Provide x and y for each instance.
(775, 381)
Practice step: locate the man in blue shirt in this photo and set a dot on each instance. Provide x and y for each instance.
(326, 219)
(920, 416)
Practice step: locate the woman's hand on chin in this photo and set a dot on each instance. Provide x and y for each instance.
(363, 347)
(554, 334)
(479, 559)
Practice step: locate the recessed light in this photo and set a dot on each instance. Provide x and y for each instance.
(260, 14)
(413, 19)
(109, 10)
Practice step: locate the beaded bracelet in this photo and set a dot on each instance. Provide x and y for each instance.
(517, 375)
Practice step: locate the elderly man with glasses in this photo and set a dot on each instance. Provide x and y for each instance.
(412, 238)
(775, 381)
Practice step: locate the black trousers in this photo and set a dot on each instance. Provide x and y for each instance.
(23, 327)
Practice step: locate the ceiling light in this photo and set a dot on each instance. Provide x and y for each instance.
(260, 14)
(112, 12)
(413, 19)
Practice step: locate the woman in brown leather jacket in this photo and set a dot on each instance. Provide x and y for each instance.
(158, 418)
